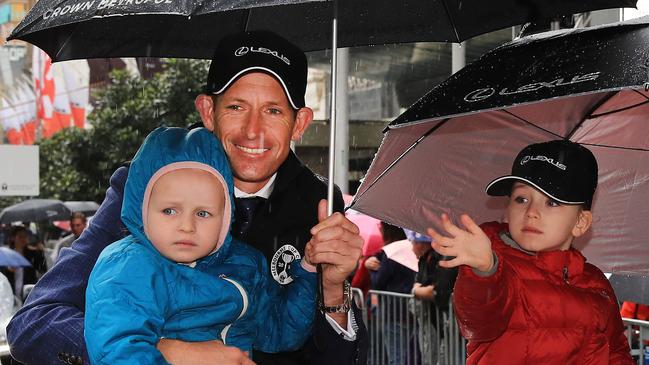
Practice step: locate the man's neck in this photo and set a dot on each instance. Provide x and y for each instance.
(244, 189)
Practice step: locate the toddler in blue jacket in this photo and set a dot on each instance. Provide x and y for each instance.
(180, 274)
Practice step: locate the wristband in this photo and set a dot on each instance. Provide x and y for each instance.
(340, 308)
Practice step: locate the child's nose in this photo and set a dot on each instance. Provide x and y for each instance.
(532, 211)
(187, 223)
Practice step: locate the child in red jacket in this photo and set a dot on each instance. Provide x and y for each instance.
(524, 295)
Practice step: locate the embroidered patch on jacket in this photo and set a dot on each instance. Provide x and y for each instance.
(281, 263)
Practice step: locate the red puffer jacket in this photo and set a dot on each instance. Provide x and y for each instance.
(547, 308)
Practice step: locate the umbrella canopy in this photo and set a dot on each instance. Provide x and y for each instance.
(35, 210)
(586, 85)
(401, 252)
(86, 207)
(70, 29)
(9, 257)
(370, 230)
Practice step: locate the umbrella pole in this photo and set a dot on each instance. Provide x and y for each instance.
(332, 136)
(332, 113)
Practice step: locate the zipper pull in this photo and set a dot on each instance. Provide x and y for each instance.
(565, 274)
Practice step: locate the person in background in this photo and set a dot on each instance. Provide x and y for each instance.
(392, 276)
(524, 294)
(78, 223)
(20, 241)
(432, 289)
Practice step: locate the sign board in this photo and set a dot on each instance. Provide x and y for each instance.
(19, 174)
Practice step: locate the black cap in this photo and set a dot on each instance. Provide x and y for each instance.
(563, 170)
(239, 53)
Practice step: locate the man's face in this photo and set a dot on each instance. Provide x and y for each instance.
(420, 248)
(77, 225)
(539, 223)
(255, 122)
(185, 214)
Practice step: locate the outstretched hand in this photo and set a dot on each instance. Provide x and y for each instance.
(469, 246)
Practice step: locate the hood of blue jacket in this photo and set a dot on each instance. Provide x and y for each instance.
(165, 146)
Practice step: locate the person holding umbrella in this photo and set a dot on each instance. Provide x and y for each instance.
(19, 241)
(523, 294)
(254, 104)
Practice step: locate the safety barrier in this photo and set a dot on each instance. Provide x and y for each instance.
(405, 330)
(637, 333)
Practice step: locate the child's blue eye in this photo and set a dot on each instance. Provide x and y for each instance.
(169, 211)
(204, 214)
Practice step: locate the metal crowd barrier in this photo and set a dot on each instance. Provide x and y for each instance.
(407, 331)
(637, 333)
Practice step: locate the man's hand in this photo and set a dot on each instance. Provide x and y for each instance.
(470, 246)
(372, 263)
(201, 353)
(337, 245)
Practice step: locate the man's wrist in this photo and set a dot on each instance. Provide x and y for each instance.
(337, 300)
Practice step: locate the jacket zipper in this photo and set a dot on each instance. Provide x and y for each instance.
(244, 297)
(565, 274)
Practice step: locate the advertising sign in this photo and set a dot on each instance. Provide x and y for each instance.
(19, 175)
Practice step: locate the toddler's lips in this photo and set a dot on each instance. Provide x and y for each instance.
(185, 243)
(531, 230)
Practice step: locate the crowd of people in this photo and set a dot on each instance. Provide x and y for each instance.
(206, 245)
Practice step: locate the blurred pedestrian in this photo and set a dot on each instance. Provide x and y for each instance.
(78, 223)
(20, 241)
(432, 292)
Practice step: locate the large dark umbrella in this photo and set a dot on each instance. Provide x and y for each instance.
(85, 206)
(69, 29)
(586, 85)
(35, 210)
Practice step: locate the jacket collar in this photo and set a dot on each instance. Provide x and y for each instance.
(287, 172)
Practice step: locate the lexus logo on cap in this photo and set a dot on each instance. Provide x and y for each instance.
(242, 51)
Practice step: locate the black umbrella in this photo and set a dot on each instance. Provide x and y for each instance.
(70, 29)
(35, 210)
(587, 85)
(86, 207)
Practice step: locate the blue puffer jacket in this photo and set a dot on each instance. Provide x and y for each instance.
(136, 296)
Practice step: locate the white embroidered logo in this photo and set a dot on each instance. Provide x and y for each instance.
(549, 160)
(281, 263)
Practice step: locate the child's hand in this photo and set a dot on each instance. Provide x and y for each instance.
(470, 246)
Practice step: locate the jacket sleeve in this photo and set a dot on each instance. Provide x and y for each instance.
(126, 301)
(285, 324)
(620, 353)
(48, 329)
(484, 304)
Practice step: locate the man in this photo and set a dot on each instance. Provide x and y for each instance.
(78, 223)
(254, 103)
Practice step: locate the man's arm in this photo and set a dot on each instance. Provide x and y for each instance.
(337, 245)
(49, 327)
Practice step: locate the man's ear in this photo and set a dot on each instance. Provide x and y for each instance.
(584, 220)
(205, 106)
(303, 118)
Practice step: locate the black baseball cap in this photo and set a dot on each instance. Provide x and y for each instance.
(563, 170)
(265, 51)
